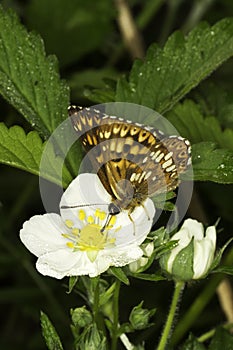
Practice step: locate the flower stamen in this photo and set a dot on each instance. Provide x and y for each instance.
(90, 237)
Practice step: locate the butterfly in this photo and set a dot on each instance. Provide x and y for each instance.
(132, 161)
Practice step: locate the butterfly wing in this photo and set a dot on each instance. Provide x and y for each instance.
(128, 156)
(111, 144)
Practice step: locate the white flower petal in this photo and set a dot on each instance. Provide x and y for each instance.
(123, 256)
(59, 263)
(88, 267)
(43, 233)
(184, 236)
(195, 228)
(148, 249)
(137, 229)
(107, 258)
(211, 234)
(204, 253)
(65, 262)
(88, 189)
(203, 257)
(85, 191)
(136, 265)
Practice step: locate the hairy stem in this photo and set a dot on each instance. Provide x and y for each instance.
(115, 314)
(179, 286)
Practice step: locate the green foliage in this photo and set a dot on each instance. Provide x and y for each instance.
(28, 80)
(80, 25)
(25, 151)
(221, 340)
(148, 276)
(49, 333)
(106, 295)
(119, 274)
(168, 74)
(215, 264)
(72, 282)
(86, 82)
(211, 163)
(191, 124)
(192, 344)
(91, 339)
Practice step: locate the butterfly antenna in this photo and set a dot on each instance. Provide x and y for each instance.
(80, 205)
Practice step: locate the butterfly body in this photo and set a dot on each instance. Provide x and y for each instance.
(131, 160)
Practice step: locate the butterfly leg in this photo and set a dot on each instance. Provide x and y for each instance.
(131, 219)
(146, 211)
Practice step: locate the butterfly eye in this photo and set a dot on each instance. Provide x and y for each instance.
(113, 209)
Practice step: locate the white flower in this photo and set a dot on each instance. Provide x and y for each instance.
(75, 243)
(194, 253)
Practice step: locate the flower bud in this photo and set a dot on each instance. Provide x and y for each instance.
(138, 265)
(194, 253)
(81, 317)
(139, 317)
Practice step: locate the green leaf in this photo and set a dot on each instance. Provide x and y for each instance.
(125, 328)
(211, 164)
(148, 277)
(25, 151)
(158, 236)
(106, 295)
(215, 98)
(165, 248)
(72, 283)
(192, 344)
(190, 123)
(218, 257)
(96, 79)
(49, 333)
(161, 201)
(91, 339)
(222, 340)
(168, 74)
(119, 274)
(28, 79)
(100, 95)
(75, 27)
(224, 269)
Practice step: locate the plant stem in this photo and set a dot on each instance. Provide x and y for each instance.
(211, 333)
(95, 285)
(115, 314)
(124, 339)
(167, 329)
(129, 31)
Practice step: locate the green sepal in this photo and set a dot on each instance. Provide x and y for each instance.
(50, 335)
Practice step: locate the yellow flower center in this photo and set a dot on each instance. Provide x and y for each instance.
(91, 237)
